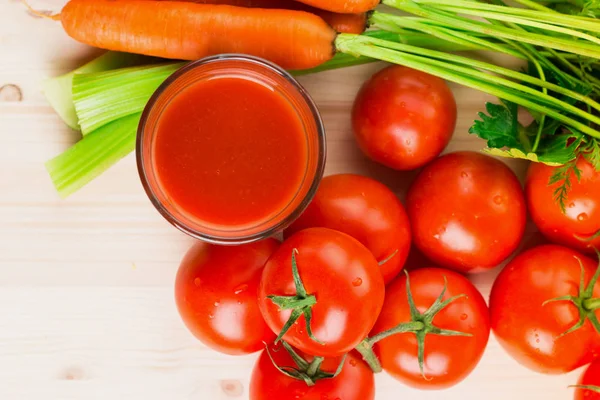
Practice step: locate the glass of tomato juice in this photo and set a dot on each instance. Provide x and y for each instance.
(231, 149)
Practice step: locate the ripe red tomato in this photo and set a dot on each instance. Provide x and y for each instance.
(531, 330)
(582, 207)
(590, 379)
(355, 381)
(403, 118)
(366, 210)
(215, 292)
(467, 211)
(447, 359)
(344, 278)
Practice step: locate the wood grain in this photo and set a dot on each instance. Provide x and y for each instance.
(86, 300)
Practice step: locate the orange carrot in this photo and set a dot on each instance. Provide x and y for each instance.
(343, 6)
(343, 23)
(346, 23)
(188, 31)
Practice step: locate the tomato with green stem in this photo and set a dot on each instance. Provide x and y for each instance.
(283, 374)
(368, 211)
(215, 292)
(404, 118)
(432, 330)
(321, 291)
(567, 215)
(467, 211)
(544, 309)
(588, 387)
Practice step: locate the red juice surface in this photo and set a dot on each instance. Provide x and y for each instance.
(230, 152)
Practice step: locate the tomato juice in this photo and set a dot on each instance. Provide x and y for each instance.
(231, 149)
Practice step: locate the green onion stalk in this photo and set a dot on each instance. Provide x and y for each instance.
(557, 89)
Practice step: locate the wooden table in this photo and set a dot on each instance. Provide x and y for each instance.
(86, 296)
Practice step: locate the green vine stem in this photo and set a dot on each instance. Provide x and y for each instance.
(388, 258)
(587, 387)
(310, 373)
(301, 304)
(421, 325)
(589, 238)
(584, 301)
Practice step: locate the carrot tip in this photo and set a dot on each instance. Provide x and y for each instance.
(41, 14)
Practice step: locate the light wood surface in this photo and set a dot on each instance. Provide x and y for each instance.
(86, 299)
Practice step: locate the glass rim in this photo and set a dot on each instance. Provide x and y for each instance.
(285, 220)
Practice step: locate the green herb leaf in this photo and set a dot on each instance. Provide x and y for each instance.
(592, 153)
(501, 127)
(562, 177)
(506, 137)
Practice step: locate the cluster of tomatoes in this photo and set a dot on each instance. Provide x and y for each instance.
(331, 305)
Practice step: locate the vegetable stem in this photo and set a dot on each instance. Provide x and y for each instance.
(354, 44)
(421, 325)
(592, 304)
(457, 22)
(301, 304)
(365, 349)
(93, 155)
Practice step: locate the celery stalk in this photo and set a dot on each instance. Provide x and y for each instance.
(58, 91)
(103, 97)
(93, 155)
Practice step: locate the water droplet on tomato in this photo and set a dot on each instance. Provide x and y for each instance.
(217, 304)
(464, 174)
(211, 316)
(408, 142)
(357, 282)
(582, 217)
(498, 200)
(218, 172)
(537, 340)
(571, 205)
(464, 317)
(241, 288)
(197, 282)
(353, 362)
(436, 236)
(324, 396)
(402, 105)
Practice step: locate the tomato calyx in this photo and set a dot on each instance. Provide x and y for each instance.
(309, 372)
(300, 304)
(584, 301)
(388, 258)
(421, 324)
